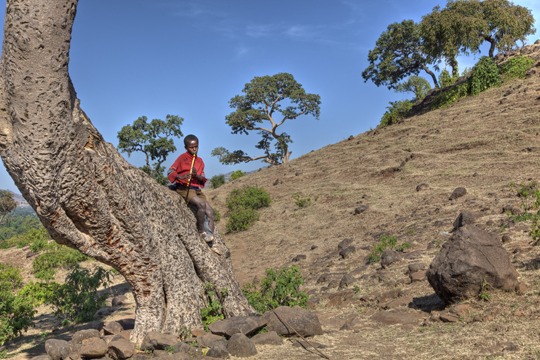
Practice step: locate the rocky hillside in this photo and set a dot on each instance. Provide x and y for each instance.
(398, 181)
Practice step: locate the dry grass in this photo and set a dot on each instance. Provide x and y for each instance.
(485, 144)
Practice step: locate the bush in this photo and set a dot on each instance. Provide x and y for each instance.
(214, 311)
(78, 299)
(450, 95)
(396, 112)
(446, 79)
(485, 74)
(241, 219)
(243, 205)
(301, 200)
(217, 181)
(516, 67)
(278, 288)
(251, 197)
(385, 242)
(237, 174)
(58, 256)
(16, 311)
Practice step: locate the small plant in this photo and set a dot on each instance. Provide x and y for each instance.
(301, 200)
(278, 288)
(217, 181)
(78, 299)
(484, 291)
(214, 311)
(396, 111)
(241, 219)
(385, 242)
(535, 230)
(16, 311)
(237, 174)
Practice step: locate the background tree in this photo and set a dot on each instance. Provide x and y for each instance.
(85, 193)
(7, 204)
(398, 53)
(265, 98)
(154, 140)
(415, 84)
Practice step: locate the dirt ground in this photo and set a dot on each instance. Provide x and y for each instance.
(488, 144)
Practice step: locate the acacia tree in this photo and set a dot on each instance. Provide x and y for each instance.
(83, 191)
(398, 53)
(154, 140)
(267, 97)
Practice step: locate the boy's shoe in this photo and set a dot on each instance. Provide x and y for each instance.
(207, 237)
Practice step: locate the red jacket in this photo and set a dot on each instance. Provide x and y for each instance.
(179, 171)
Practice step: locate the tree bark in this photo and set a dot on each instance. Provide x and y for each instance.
(85, 193)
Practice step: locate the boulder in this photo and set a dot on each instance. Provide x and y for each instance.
(241, 346)
(57, 349)
(246, 325)
(293, 321)
(467, 262)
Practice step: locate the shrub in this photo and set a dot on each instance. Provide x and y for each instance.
(485, 74)
(58, 256)
(396, 111)
(217, 181)
(243, 205)
(16, 311)
(237, 174)
(241, 219)
(214, 311)
(516, 67)
(78, 299)
(446, 79)
(385, 242)
(251, 197)
(450, 95)
(302, 200)
(278, 288)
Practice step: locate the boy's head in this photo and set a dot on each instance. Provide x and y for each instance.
(191, 143)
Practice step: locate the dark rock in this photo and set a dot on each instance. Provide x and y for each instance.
(470, 259)
(246, 325)
(464, 218)
(82, 335)
(112, 328)
(298, 258)
(210, 340)
(346, 281)
(345, 243)
(218, 350)
(191, 352)
(118, 300)
(93, 348)
(267, 338)
(240, 345)
(457, 193)
(120, 348)
(422, 186)
(345, 253)
(156, 340)
(360, 209)
(389, 257)
(57, 349)
(416, 267)
(291, 321)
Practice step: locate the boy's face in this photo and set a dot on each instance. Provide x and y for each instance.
(193, 147)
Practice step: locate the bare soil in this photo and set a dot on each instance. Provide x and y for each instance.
(488, 144)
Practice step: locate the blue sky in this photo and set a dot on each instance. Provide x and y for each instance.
(131, 58)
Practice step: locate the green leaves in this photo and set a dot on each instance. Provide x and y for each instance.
(268, 102)
(154, 139)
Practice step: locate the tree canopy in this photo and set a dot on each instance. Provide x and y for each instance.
(460, 28)
(398, 53)
(268, 102)
(153, 139)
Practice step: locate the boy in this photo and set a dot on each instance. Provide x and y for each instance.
(187, 174)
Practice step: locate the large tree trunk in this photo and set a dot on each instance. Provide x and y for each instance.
(85, 193)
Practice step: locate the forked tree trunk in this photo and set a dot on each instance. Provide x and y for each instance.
(85, 193)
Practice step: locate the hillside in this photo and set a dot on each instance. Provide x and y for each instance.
(398, 181)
